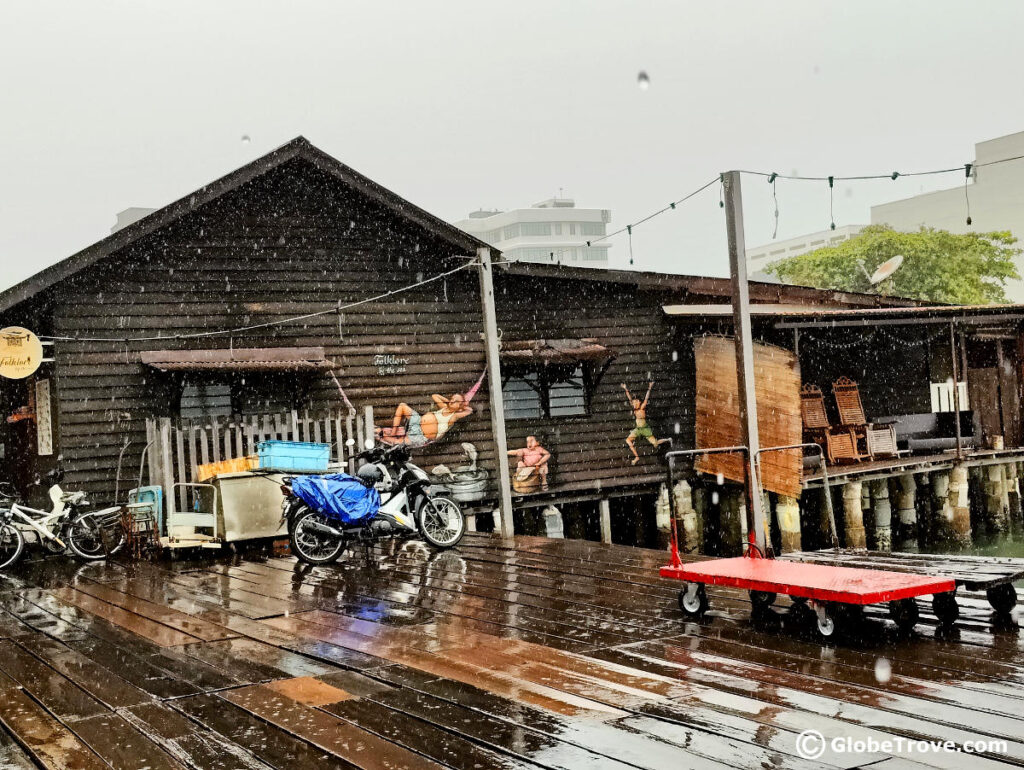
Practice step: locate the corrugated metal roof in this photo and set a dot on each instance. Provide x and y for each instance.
(554, 350)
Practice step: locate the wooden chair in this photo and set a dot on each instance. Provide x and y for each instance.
(879, 440)
(840, 444)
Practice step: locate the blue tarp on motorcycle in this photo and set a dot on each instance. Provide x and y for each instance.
(338, 495)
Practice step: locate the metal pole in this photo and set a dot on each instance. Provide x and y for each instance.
(956, 391)
(494, 386)
(744, 353)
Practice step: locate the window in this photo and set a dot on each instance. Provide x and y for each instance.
(557, 228)
(199, 400)
(546, 391)
(535, 228)
(572, 228)
(591, 228)
(522, 397)
(568, 397)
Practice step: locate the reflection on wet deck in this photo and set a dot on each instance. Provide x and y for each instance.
(527, 653)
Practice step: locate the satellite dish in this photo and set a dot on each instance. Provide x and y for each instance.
(886, 269)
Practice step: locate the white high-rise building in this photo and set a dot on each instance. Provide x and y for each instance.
(759, 257)
(552, 231)
(996, 194)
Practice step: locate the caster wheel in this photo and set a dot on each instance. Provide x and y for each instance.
(693, 602)
(825, 622)
(904, 613)
(1003, 598)
(945, 607)
(762, 599)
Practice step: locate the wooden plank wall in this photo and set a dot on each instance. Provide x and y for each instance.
(590, 452)
(290, 242)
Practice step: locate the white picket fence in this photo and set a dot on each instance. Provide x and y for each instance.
(176, 448)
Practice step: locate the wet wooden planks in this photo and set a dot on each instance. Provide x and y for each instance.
(525, 653)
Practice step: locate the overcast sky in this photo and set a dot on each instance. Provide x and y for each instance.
(460, 105)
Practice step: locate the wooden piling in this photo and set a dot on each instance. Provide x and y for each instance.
(960, 511)
(906, 511)
(733, 518)
(997, 505)
(553, 525)
(787, 514)
(1013, 493)
(690, 527)
(853, 515)
(882, 515)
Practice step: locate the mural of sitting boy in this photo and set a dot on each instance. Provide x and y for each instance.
(642, 429)
(534, 458)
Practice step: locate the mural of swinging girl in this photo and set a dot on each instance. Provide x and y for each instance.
(413, 429)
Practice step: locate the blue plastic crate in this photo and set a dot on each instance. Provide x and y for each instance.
(294, 455)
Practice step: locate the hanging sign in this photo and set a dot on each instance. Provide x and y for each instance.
(21, 352)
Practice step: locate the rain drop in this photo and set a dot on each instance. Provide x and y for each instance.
(643, 80)
(883, 670)
(246, 139)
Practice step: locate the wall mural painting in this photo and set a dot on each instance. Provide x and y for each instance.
(413, 429)
(532, 468)
(643, 428)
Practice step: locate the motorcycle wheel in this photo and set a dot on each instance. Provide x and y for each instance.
(85, 539)
(441, 522)
(311, 547)
(12, 544)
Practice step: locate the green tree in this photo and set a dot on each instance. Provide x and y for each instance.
(938, 266)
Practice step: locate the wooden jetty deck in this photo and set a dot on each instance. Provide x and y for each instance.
(530, 653)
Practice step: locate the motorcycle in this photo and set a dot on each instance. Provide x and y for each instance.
(69, 524)
(394, 501)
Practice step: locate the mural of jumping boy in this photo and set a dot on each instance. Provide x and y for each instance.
(642, 429)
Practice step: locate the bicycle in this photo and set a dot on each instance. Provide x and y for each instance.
(12, 542)
(68, 525)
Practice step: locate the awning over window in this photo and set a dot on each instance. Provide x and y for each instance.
(554, 351)
(239, 360)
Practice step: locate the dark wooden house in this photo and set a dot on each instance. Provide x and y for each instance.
(135, 331)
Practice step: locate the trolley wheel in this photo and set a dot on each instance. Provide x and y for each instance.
(945, 608)
(904, 613)
(825, 620)
(762, 599)
(694, 602)
(1003, 598)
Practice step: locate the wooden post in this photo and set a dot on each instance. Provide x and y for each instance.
(883, 514)
(605, 510)
(853, 515)
(744, 354)
(494, 387)
(956, 392)
(368, 425)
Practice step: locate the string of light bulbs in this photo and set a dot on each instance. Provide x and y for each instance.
(266, 324)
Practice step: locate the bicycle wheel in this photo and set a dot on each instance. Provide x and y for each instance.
(12, 543)
(85, 539)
